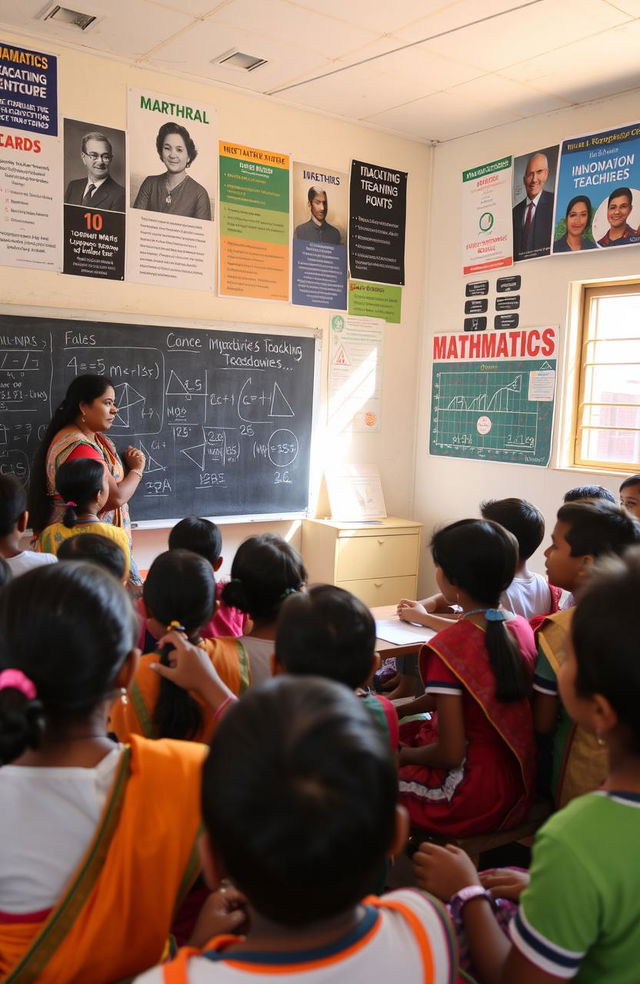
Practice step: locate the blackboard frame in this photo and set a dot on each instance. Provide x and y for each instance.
(63, 314)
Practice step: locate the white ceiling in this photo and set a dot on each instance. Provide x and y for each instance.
(427, 69)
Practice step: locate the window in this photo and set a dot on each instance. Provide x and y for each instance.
(607, 431)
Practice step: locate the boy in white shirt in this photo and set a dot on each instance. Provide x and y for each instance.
(13, 522)
(299, 807)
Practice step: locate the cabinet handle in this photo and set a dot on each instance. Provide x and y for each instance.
(378, 584)
(381, 543)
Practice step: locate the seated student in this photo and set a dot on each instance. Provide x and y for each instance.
(589, 493)
(473, 769)
(97, 840)
(580, 909)
(529, 594)
(97, 550)
(584, 531)
(630, 495)
(14, 519)
(179, 588)
(265, 570)
(299, 808)
(328, 632)
(204, 538)
(83, 485)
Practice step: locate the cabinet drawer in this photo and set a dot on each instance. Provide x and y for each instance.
(376, 556)
(381, 591)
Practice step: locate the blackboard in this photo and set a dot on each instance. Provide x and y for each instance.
(224, 416)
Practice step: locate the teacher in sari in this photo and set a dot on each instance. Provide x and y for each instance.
(76, 430)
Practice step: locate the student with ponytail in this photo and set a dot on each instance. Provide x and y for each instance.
(265, 570)
(471, 769)
(97, 839)
(83, 485)
(179, 591)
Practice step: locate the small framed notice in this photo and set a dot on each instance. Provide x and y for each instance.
(355, 493)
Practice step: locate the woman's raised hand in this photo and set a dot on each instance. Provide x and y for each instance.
(134, 458)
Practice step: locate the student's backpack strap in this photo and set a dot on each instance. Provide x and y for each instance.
(418, 930)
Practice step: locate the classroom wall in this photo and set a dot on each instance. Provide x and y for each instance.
(451, 488)
(95, 88)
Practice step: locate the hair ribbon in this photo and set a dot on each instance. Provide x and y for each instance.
(73, 504)
(17, 680)
(495, 615)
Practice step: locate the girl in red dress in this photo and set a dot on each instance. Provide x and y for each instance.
(470, 769)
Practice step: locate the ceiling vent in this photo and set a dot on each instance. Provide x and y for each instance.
(239, 60)
(70, 18)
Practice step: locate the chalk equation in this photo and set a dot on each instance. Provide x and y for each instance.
(223, 418)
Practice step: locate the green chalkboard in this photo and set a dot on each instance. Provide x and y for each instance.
(498, 410)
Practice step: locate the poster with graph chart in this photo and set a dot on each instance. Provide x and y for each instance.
(492, 396)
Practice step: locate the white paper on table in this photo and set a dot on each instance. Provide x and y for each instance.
(402, 633)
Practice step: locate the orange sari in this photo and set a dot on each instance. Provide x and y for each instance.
(231, 661)
(114, 918)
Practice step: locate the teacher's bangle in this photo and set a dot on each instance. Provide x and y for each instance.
(136, 472)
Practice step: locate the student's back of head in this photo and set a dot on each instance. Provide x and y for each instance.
(13, 502)
(201, 536)
(605, 630)
(265, 570)
(97, 550)
(299, 798)
(68, 628)
(479, 557)
(326, 632)
(520, 518)
(589, 493)
(598, 528)
(80, 483)
(180, 587)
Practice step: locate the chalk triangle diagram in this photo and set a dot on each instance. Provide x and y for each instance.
(126, 397)
(175, 386)
(196, 454)
(545, 365)
(280, 406)
(341, 358)
(152, 465)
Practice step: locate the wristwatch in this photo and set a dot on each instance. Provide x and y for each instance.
(458, 901)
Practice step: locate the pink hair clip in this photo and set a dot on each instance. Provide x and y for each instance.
(70, 503)
(17, 680)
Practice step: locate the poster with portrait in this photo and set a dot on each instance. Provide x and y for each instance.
(534, 182)
(94, 200)
(319, 247)
(30, 159)
(319, 250)
(172, 180)
(486, 219)
(598, 196)
(377, 223)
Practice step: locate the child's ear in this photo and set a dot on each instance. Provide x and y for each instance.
(604, 717)
(23, 520)
(400, 832)
(128, 669)
(586, 567)
(218, 563)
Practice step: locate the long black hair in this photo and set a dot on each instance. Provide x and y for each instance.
(180, 587)
(69, 628)
(480, 557)
(79, 483)
(83, 389)
(265, 570)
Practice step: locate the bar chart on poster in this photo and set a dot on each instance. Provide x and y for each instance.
(499, 409)
(223, 414)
